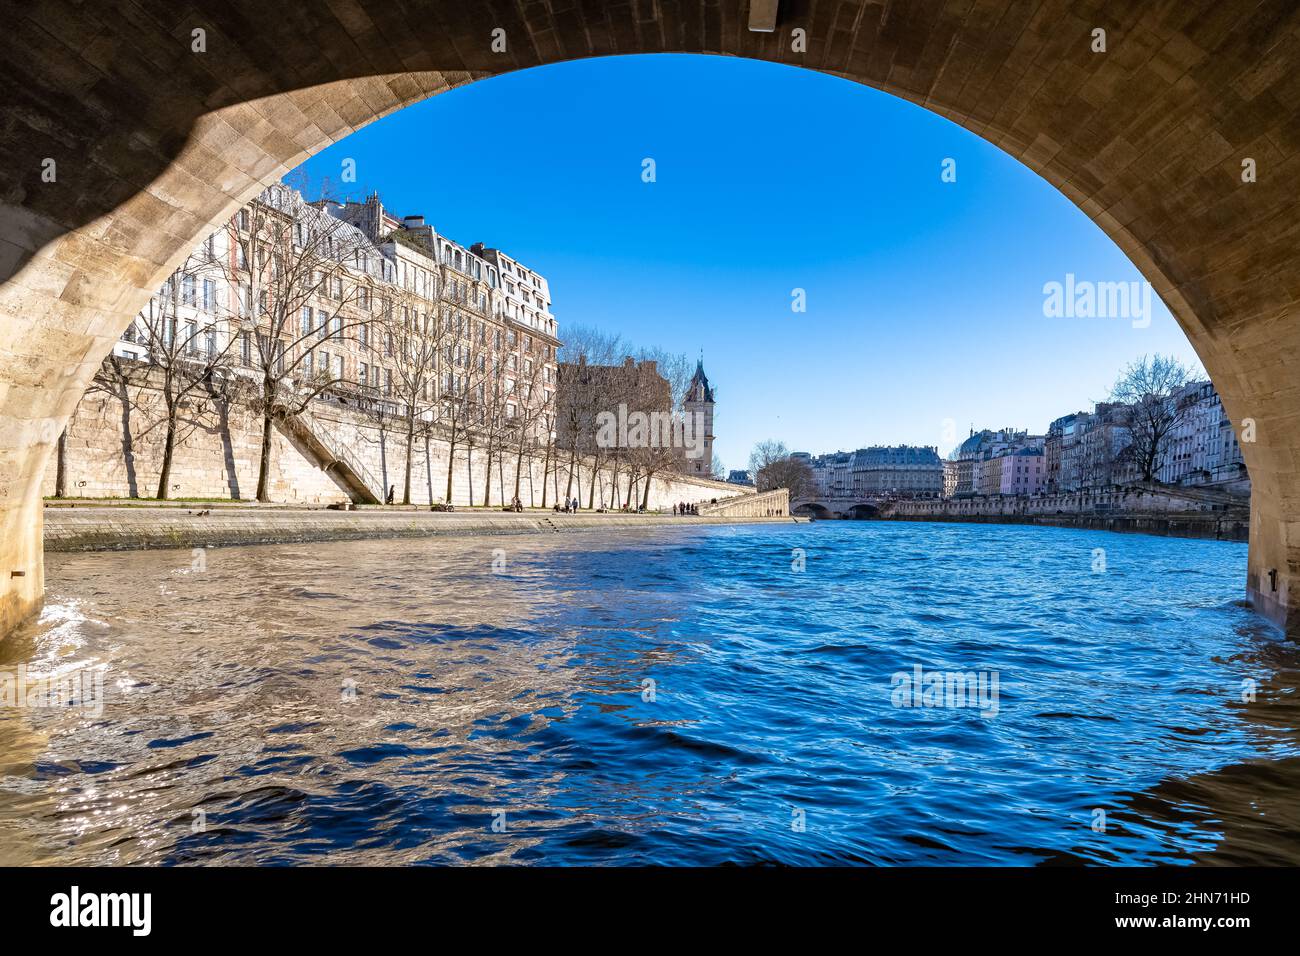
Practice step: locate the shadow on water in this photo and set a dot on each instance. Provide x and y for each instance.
(1253, 805)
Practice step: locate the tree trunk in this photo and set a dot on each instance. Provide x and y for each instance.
(591, 497)
(61, 467)
(410, 449)
(469, 470)
(568, 490)
(451, 463)
(487, 479)
(264, 461)
(546, 473)
(645, 492)
(169, 447)
(519, 466)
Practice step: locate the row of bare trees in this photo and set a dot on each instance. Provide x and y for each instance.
(597, 383)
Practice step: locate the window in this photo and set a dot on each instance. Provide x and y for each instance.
(245, 349)
(363, 373)
(306, 320)
(307, 370)
(363, 335)
(187, 289)
(209, 295)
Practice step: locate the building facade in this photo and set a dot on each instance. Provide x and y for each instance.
(337, 294)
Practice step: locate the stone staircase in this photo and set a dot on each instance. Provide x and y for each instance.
(335, 458)
(763, 504)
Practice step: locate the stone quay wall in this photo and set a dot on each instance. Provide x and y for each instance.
(1174, 512)
(116, 435)
(93, 527)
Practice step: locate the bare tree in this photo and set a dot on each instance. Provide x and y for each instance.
(186, 333)
(1148, 388)
(529, 414)
(774, 468)
(676, 371)
(492, 426)
(303, 276)
(582, 393)
(765, 453)
(409, 337)
(462, 398)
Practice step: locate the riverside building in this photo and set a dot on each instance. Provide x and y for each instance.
(496, 336)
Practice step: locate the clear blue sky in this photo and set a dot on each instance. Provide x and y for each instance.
(924, 298)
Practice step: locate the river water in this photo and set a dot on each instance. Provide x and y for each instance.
(678, 696)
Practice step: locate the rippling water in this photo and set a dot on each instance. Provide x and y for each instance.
(389, 702)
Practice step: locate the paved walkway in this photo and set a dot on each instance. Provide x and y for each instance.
(97, 526)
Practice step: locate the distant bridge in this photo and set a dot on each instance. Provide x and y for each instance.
(825, 508)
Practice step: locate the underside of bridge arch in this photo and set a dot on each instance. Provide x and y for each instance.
(812, 510)
(123, 143)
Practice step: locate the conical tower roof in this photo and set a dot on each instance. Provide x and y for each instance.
(699, 385)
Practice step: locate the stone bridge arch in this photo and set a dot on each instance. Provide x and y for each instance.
(153, 144)
(812, 509)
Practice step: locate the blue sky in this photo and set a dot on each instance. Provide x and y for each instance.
(924, 298)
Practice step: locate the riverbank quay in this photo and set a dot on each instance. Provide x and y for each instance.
(88, 525)
(1217, 527)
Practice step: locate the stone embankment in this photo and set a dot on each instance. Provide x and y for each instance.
(1220, 527)
(98, 527)
(1146, 508)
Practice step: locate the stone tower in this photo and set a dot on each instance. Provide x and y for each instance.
(698, 406)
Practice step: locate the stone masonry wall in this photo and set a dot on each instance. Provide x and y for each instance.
(115, 439)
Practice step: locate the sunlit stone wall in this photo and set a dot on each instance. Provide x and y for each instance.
(115, 446)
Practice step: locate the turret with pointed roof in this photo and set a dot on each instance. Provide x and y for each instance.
(698, 403)
(699, 390)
